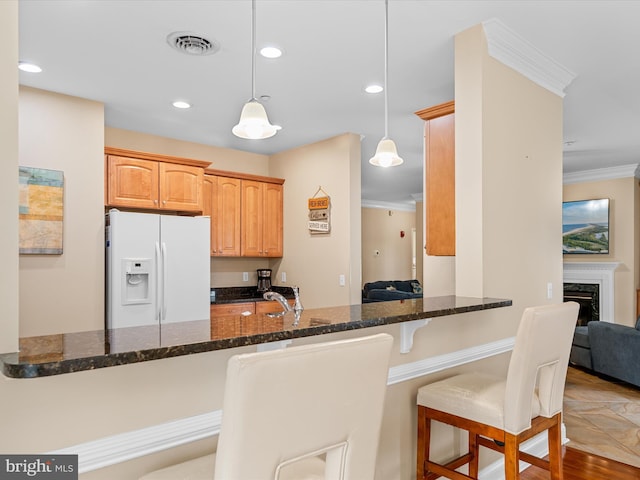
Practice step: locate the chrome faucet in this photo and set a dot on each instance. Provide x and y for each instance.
(297, 306)
(271, 296)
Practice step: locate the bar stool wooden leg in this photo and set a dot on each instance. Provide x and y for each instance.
(555, 450)
(474, 451)
(424, 437)
(511, 457)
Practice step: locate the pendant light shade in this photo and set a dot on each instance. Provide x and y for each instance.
(254, 123)
(386, 153)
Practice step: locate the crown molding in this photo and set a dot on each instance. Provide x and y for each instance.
(514, 51)
(599, 174)
(402, 207)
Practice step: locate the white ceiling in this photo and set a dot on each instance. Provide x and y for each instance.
(116, 52)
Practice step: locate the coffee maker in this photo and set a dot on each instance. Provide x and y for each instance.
(264, 280)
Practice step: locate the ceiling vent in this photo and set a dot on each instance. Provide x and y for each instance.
(192, 44)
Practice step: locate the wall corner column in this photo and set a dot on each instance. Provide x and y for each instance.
(9, 176)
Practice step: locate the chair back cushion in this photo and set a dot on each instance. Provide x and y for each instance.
(284, 406)
(538, 366)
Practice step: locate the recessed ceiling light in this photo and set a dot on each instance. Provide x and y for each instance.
(181, 104)
(29, 67)
(374, 89)
(271, 52)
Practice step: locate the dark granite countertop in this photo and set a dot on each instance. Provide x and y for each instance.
(73, 352)
(245, 294)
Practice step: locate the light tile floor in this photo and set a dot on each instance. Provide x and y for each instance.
(602, 417)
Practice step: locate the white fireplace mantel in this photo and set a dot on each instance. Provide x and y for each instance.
(600, 273)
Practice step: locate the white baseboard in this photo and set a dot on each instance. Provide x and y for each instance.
(122, 447)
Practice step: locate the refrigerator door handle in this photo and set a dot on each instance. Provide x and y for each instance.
(164, 282)
(158, 272)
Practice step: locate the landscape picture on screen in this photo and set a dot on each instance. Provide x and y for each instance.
(585, 226)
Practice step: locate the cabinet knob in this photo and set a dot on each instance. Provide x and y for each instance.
(155, 202)
(164, 202)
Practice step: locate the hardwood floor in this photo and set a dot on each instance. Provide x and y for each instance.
(579, 465)
(602, 418)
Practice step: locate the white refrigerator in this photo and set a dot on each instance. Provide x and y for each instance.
(157, 269)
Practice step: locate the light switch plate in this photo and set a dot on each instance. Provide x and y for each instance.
(245, 276)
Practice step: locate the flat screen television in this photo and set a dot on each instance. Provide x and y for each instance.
(585, 227)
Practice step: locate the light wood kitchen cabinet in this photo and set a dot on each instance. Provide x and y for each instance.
(153, 182)
(262, 219)
(222, 203)
(226, 319)
(226, 309)
(272, 307)
(439, 189)
(246, 213)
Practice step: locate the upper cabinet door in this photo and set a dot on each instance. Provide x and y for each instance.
(439, 189)
(181, 187)
(228, 216)
(273, 220)
(252, 218)
(132, 182)
(262, 219)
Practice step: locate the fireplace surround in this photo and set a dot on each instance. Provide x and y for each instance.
(595, 273)
(587, 295)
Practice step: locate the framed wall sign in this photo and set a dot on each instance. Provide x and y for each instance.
(319, 213)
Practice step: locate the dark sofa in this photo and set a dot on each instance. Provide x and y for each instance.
(386, 290)
(610, 349)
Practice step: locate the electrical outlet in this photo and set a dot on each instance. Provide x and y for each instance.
(283, 277)
(549, 291)
(245, 276)
(342, 281)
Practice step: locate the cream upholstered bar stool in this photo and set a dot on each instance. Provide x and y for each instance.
(307, 412)
(500, 413)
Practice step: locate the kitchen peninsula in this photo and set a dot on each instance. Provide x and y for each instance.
(73, 352)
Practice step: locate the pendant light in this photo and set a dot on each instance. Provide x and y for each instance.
(254, 123)
(386, 153)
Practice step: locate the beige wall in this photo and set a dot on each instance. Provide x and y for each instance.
(65, 133)
(9, 176)
(623, 246)
(508, 180)
(381, 233)
(315, 262)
